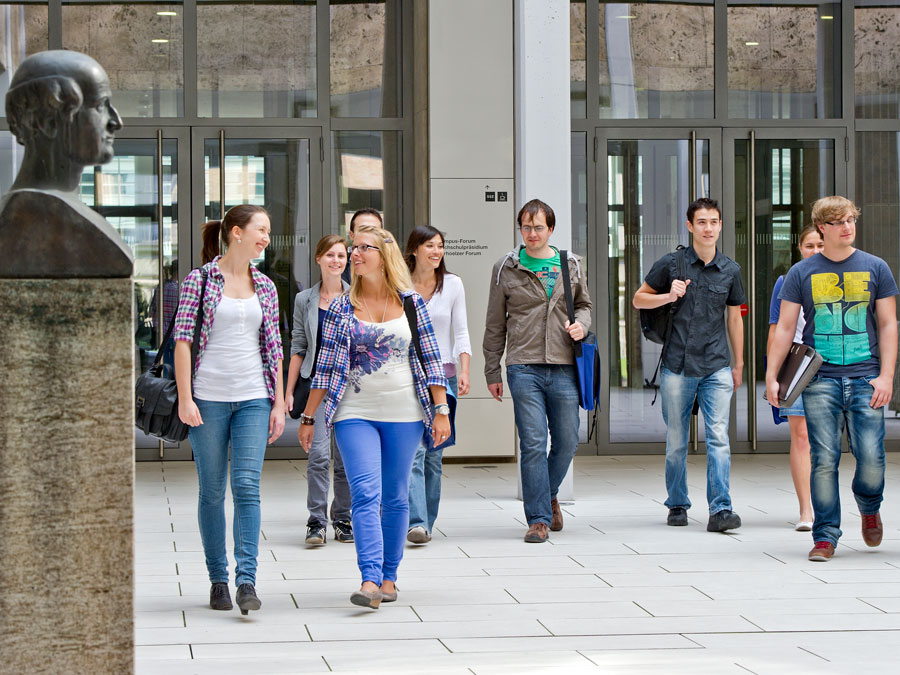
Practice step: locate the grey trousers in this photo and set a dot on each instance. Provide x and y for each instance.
(318, 477)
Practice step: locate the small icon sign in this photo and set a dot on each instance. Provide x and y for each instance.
(490, 196)
(501, 196)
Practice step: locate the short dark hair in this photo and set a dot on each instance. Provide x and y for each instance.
(370, 211)
(534, 207)
(702, 203)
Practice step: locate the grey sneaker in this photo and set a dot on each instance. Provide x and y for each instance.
(343, 531)
(247, 599)
(315, 534)
(418, 535)
(723, 520)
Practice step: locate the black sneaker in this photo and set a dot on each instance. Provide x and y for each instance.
(246, 598)
(315, 534)
(677, 516)
(219, 597)
(343, 531)
(723, 520)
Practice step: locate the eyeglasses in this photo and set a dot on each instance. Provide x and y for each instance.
(363, 248)
(840, 223)
(528, 229)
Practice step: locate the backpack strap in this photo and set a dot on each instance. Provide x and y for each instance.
(409, 308)
(680, 274)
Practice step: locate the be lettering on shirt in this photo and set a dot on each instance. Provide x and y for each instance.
(841, 302)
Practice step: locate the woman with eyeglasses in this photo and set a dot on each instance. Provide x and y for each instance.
(445, 299)
(811, 242)
(380, 391)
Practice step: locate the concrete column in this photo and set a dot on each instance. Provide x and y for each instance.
(543, 122)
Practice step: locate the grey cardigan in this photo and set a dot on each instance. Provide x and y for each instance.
(306, 325)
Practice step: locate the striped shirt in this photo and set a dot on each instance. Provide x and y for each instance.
(269, 334)
(333, 364)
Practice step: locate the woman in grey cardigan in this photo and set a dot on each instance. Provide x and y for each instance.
(309, 310)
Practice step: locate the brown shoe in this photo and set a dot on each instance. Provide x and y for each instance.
(557, 523)
(872, 530)
(537, 533)
(821, 552)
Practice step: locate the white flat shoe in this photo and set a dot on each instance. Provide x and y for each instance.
(803, 526)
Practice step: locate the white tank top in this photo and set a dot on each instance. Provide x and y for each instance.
(380, 385)
(231, 369)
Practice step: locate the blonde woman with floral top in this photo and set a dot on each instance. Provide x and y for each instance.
(232, 396)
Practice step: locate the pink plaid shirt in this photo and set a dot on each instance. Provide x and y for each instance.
(269, 334)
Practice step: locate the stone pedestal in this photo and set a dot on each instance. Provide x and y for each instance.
(66, 475)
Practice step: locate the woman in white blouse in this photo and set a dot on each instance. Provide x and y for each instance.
(445, 299)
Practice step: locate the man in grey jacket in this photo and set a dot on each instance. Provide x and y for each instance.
(526, 317)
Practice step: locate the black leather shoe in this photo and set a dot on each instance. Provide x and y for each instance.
(219, 597)
(677, 517)
(246, 598)
(723, 520)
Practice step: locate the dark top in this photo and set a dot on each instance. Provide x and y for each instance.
(698, 345)
(322, 313)
(838, 300)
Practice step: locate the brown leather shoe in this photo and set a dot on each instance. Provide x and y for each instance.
(537, 533)
(823, 551)
(557, 523)
(872, 530)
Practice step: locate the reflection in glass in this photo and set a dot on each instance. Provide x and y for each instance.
(365, 59)
(256, 59)
(579, 195)
(789, 176)
(648, 192)
(577, 63)
(878, 230)
(656, 60)
(784, 61)
(23, 32)
(141, 47)
(367, 174)
(876, 36)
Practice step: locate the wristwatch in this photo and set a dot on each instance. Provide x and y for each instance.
(307, 420)
(441, 409)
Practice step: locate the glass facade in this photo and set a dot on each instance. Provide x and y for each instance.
(23, 31)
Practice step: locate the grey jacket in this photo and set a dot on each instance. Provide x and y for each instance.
(521, 319)
(306, 326)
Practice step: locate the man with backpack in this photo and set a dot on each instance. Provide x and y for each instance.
(695, 359)
(526, 317)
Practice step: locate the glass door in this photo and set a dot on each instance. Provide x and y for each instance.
(280, 172)
(776, 176)
(648, 178)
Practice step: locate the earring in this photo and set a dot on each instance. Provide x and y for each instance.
(239, 241)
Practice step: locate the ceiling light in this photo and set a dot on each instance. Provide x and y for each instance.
(826, 18)
(159, 40)
(627, 17)
(167, 14)
(752, 44)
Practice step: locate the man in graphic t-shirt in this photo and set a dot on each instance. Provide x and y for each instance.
(847, 298)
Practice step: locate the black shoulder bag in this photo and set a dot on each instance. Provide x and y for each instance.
(155, 392)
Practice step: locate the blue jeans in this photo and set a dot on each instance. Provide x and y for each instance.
(714, 394)
(543, 396)
(245, 427)
(377, 458)
(832, 403)
(425, 481)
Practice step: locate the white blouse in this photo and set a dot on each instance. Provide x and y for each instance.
(447, 310)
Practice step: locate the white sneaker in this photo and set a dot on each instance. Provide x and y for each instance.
(803, 526)
(418, 535)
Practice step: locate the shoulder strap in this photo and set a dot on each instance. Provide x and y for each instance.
(567, 284)
(409, 308)
(197, 324)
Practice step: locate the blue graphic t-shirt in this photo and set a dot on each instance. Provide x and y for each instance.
(838, 300)
(546, 269)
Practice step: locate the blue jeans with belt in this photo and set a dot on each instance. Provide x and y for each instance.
(544, 397)
(244, 426)
(833, 403)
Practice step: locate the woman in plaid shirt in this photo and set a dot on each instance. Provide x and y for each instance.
(235, 396)
(378, 395)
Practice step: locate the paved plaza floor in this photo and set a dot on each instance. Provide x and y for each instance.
(617, 591)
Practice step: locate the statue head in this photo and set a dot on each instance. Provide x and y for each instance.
(58, 105)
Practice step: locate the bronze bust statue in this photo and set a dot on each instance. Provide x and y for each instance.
(58, 106)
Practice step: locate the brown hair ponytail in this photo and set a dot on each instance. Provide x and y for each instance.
(211, 230)
(214, 230)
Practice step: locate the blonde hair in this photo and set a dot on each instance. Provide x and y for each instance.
(396, 274)
(826, 209)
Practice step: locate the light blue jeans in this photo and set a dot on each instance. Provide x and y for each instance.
(831, 404)
(714, 394)
(544, 396)
(425, 482)
(377, 458)
(244, 426)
